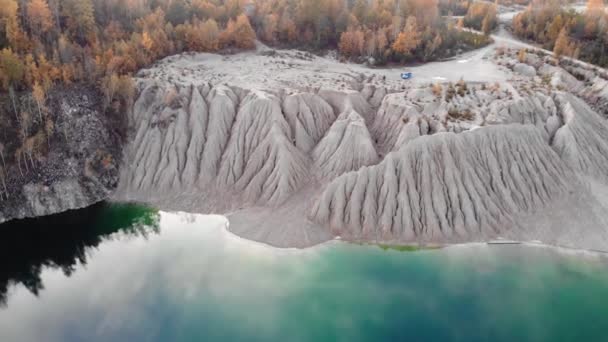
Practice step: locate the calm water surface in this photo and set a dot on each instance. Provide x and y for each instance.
(125, 273)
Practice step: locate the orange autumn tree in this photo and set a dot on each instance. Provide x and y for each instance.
(408, 39)
(245, 36)
(202, 37)
(238, 33)
(10, 28)
(555, 28)
(210, 35)
(39, 97)
(351, 43)
(39, 15)
(562, 44)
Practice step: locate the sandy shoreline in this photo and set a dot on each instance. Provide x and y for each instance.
(578, 252)
(429, 247)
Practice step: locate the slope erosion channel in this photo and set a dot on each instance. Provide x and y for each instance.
(297, 150)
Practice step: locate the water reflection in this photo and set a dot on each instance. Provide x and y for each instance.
(196, 282)
(62, 241)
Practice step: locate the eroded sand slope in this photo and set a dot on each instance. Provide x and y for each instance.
(299, 149)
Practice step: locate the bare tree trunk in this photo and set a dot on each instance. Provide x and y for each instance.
(29, 107)
(3, 162)
(39, 112)
(5, 189)
(4, 171)
(19, 165)
(12, 94)
(27, 169)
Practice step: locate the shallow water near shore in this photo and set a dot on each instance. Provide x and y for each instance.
(127, 273)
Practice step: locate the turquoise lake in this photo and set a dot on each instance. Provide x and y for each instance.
(126, 273)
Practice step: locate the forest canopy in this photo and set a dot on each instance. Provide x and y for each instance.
(566, 32)
(103, 42)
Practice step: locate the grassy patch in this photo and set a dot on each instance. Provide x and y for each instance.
(406, 248)
(399, 248)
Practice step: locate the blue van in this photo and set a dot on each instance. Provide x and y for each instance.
(406, 75)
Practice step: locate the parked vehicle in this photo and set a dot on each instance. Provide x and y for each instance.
(406, 75)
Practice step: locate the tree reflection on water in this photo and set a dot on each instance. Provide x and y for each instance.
(62, 241)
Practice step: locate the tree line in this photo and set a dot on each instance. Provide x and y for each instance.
(47, 42)
(482, 17)
(566, 32)
(385, 30)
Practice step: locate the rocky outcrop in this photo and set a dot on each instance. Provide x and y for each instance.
(596, 95)
(524, 69)
(70, 160)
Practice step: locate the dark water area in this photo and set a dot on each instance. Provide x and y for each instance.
(127, 273)
(61, 241)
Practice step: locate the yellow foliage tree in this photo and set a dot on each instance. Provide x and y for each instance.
(39, 16)
(244, 34)
(80, 15)
(146, 41)
(521, 55)
(12, 69)
(238, 33)
(409, 39)
(562, 44)
(40, 97)
(9, 23)
(351, 43)
(555, 27)
(210, 35)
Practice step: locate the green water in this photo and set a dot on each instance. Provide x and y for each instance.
(124, 273)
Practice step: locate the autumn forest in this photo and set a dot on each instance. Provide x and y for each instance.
(567, 32)
(102, 42)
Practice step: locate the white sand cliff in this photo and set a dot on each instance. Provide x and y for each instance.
(298, 149)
